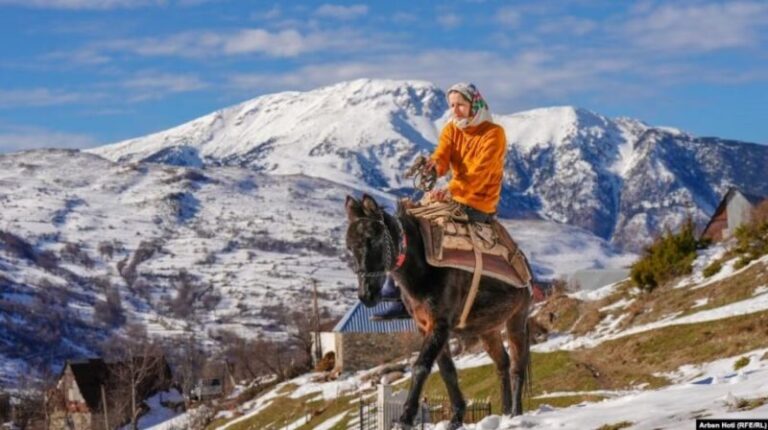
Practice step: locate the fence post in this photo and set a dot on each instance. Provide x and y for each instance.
(362, 418)
(382, 407)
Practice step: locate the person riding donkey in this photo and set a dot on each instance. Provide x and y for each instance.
(472, 147)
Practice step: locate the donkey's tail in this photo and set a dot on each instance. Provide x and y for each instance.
(528, 387)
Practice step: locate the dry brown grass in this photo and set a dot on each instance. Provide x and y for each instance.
(615, 426)
(668, 348)
(559, 313)
(590, 317)
(665, 300)
(748, 404)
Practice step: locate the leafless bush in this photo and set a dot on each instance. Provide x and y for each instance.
(210, 301)
(17, 246)
(210, 259)
(47, 260)
(106, 249)
(110, 311)
(142, 288)
(188, 175)
(189, 292)
(144, 252)
(74, 253)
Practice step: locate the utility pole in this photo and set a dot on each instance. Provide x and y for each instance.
(104, 405)
(318, 345)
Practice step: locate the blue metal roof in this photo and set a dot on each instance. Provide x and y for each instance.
(358, 320)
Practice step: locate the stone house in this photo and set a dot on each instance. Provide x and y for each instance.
(360, 343)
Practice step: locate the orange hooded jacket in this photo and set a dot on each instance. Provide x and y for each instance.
(475, 155)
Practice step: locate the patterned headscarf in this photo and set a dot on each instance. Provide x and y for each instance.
(478, 111)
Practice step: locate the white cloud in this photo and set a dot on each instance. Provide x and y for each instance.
(38, 97)
(282, 43)
(167, 83)
(508, 17)
(567, 25)
(510, 81)
(82, 4)
(99, 4)
(341, 12)
(404, 18)
(81, 57)
(448, 20)
(271, 14)
(699, 27)
(285, 43)
(19, 138)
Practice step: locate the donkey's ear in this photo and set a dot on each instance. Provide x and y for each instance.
(353, 207)
(370, 207)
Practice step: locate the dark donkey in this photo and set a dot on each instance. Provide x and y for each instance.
(380, 244)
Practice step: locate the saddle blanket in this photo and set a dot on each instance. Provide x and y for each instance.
(448, 243)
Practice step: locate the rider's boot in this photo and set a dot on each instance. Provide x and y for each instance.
(395, 308)
(390, 292)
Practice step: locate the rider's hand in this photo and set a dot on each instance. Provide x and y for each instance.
(430, 165)
(439, 195)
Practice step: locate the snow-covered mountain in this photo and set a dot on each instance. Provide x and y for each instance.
(88, 245)
(360, 132)
(619, 178)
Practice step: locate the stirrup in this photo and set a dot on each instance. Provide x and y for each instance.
(395, 310)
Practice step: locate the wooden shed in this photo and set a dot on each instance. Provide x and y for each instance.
(734, 210)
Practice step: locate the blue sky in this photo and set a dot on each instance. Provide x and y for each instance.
(79, 73)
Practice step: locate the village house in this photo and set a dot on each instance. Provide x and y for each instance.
(92, 394)
(359, 343)
(734, 210)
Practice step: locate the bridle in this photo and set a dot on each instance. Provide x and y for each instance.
(391, 246)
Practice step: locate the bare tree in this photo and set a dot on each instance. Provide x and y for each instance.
(189, 360)
(238, 351)
(137, 368)
(31, 411)
(302, 324)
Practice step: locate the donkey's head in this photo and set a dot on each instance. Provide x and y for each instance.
(370, 247)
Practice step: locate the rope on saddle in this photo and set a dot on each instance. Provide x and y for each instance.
(434, 210)
(475, 276)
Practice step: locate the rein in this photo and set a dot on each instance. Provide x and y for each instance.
(401, 248)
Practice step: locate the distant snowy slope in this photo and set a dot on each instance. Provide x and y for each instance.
(87, 245)
(619, 178)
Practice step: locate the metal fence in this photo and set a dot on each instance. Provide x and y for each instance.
(368, 414)
(432, 410)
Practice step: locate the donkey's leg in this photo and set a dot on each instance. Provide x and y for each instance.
(433, 344)
(519, 351)
(494, 346)
(451, 380)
